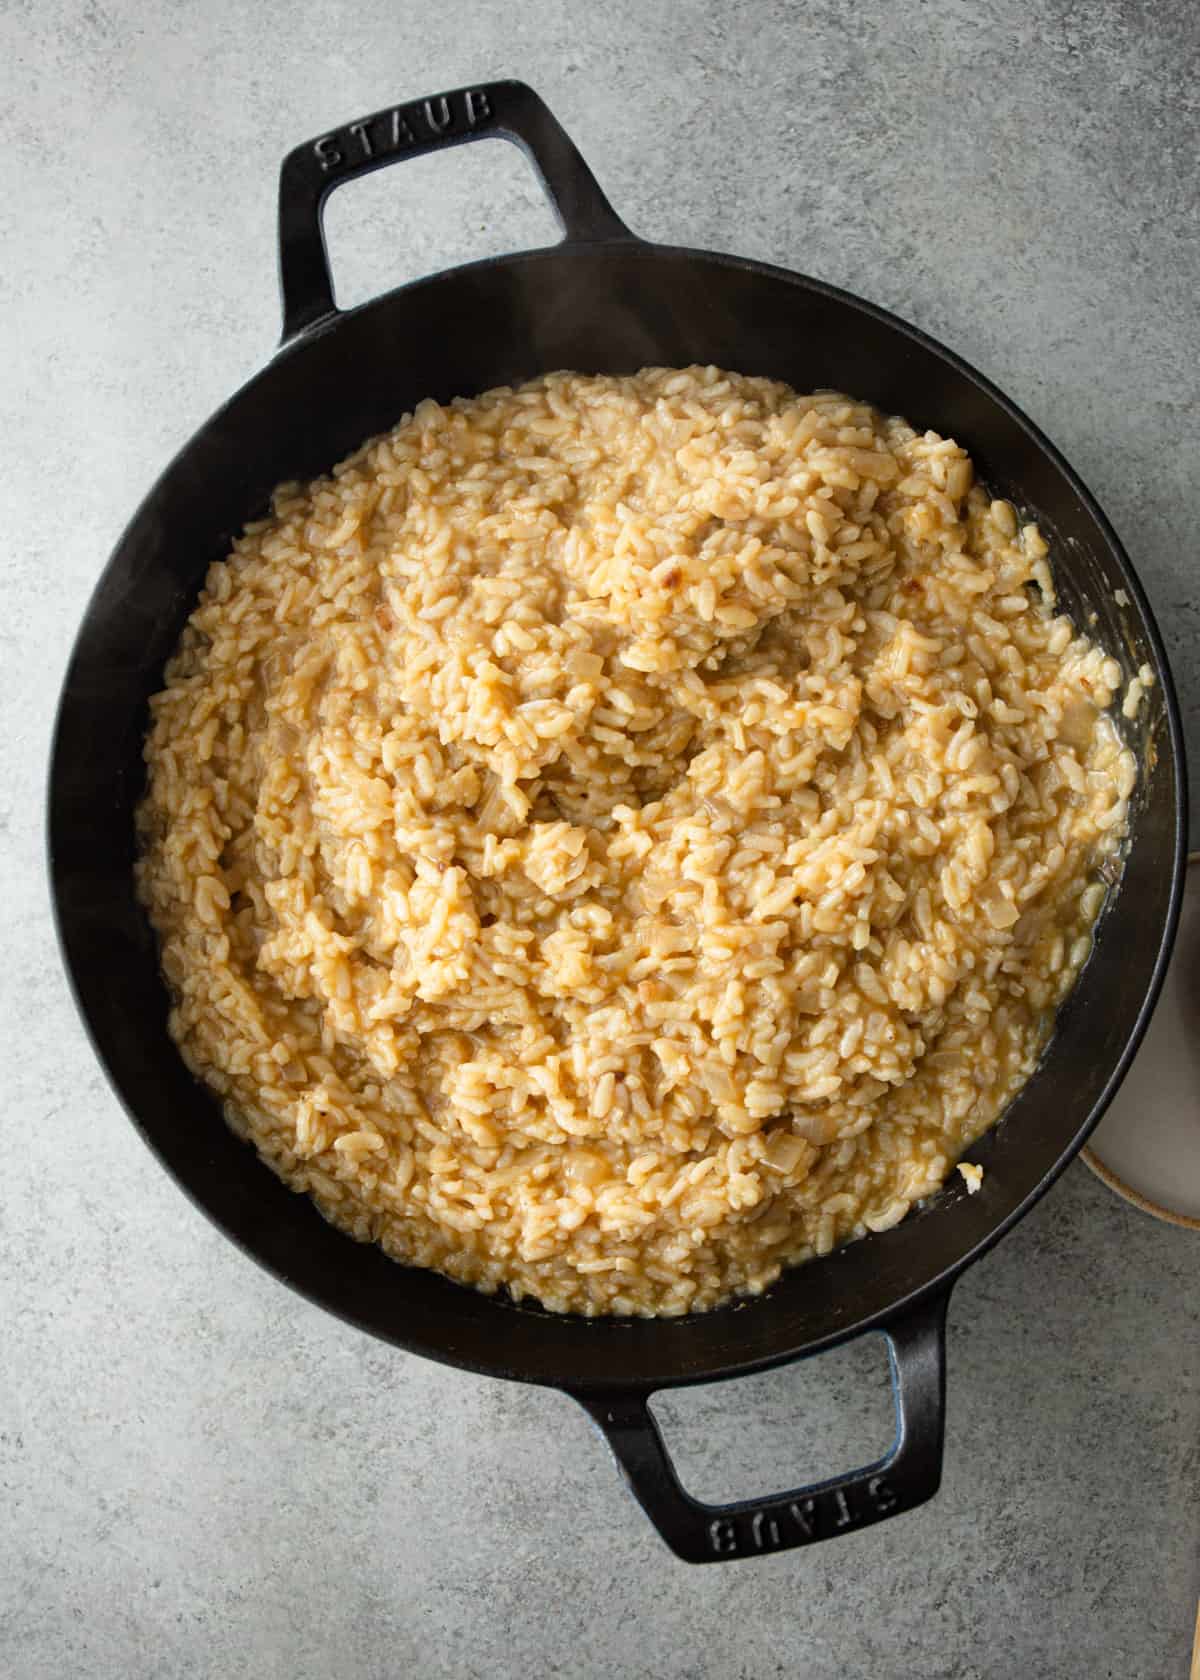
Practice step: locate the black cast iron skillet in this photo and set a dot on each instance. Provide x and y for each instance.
(602, 301)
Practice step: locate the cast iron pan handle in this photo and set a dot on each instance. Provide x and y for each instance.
(509, 110)
(907, 1476)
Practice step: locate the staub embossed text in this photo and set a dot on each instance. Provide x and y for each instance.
(825, 1512)
(420, 123)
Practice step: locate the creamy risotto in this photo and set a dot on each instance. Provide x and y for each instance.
(615, 838)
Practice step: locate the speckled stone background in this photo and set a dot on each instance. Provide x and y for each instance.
(202, 1475)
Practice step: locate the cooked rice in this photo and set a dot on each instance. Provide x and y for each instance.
(616, 838)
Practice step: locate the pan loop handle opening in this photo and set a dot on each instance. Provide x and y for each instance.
(907, 1476)
(504, 110)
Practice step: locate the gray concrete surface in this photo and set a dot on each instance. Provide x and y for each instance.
(204, 1476)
